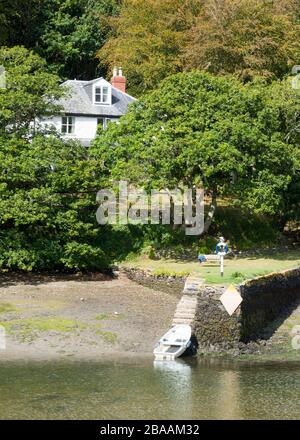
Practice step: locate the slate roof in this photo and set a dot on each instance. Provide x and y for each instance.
(79, 100)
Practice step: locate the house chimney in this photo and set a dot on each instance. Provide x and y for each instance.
(118, 80)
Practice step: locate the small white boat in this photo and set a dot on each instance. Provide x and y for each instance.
(174, 343)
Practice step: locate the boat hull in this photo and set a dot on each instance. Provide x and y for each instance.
(174, 343)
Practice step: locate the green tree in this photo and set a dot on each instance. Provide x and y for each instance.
(197, 129)
(287, 101)
(67, 33)
(30, 90)
(47, 187)
(153, 39)
(148, 40)
(72, 35)
(21, 21)
(3, 21)
(48, 205)
(245, 37)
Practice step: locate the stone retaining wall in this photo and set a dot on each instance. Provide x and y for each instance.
(169, 284)
(264, 299)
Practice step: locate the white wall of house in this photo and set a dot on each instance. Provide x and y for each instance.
(85, 127)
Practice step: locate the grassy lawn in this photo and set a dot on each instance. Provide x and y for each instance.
(235, 270)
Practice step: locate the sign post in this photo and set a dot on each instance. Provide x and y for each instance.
(222, 265)
(222, 249)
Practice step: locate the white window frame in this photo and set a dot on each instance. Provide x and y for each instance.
(69, 124)
(103, 124)
(106, 121)
(98, 91)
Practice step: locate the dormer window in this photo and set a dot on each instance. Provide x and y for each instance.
(102, 95)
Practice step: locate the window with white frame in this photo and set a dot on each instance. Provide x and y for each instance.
(102, 95)
(104, 122)
(101, 123)
(68, 124)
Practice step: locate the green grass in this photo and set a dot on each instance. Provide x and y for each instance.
(235, 270)
(109, 337)
(27, 327)
(101, 317)
(6, 307)
(169, 273)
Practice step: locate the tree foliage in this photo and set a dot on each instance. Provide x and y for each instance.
(72, 35)
(67, 33)
(19, 21)
(31, 91)
(245, 37)
(197, 129)
(47, 206)
(47, 187)
(238, 139)
(153, 39)
(148, 40)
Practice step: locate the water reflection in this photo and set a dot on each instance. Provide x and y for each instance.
(220, 392)
(227, 405)
(176, 376)
(137, 388)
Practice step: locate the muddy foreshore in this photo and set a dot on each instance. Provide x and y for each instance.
(80, 317)
(96, 316)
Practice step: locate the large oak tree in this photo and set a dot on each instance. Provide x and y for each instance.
(232, 139)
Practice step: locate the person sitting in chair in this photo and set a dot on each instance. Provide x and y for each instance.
(222, 246)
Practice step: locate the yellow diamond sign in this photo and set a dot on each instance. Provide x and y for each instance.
(231, 299)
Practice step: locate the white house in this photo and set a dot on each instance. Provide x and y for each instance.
(90, 104)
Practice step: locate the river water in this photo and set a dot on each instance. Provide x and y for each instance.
(141, 389)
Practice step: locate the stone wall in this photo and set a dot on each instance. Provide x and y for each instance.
(213, 327)
(169, 284)
(264, 299)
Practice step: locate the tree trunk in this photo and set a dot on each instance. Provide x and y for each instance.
(211, 211)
